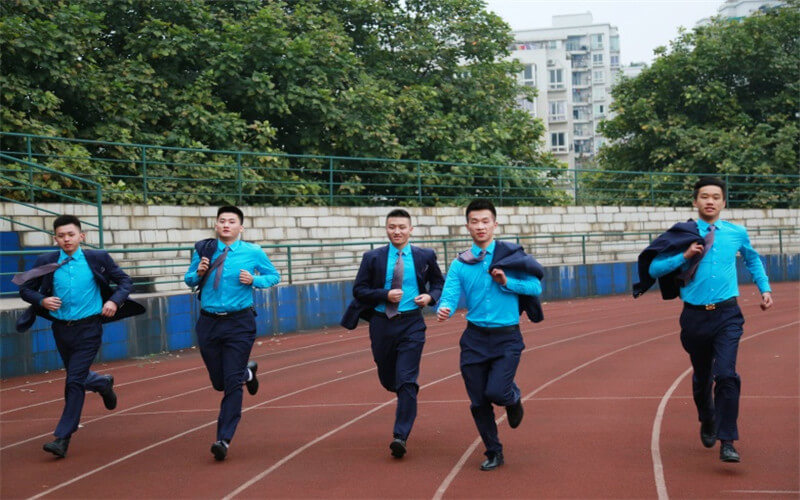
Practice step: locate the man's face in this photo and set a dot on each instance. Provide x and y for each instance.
(481, 225)
(398, 229)
(709, 202)
(228, 227)
(69, 238)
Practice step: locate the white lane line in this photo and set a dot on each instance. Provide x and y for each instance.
(208, 424)
(471, 449)
(347, 424)
(655, 447)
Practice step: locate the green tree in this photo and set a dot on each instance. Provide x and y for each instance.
(723, 99)
(412, 80)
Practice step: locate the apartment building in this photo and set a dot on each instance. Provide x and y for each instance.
(573, 64)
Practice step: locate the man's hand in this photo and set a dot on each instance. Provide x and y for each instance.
(245, 278)
(202, 267)
(109, 309)
(766, 301)
(51, 303)
(694, 249)
(499, 276)
(395, 295)
(423, 300)
(443, 314)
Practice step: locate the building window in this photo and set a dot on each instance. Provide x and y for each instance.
(552, 44)
(558, 141)
(599, 110)
(597, 42)
(529, 106)
(598, 76)
(528, 75)
(558, 111)
(614, 44)
(597, 59)
(615, 61)
(556, 78)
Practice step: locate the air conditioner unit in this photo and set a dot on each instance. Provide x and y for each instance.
(551, 62)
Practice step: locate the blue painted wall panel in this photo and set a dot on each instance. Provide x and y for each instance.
(169, 321)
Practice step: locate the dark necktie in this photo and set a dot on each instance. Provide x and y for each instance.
(218, 264)
(397, 282)
(688, 275)
(469, 258)
(30, 274)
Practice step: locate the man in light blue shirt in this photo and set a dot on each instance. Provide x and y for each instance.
(71, 288)
(222, 270)
(711, 322)
(499, 281)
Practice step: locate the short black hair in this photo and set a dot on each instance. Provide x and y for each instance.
(481, 204)
(398, 212)
(230, 209)
(66, 220)
(708, 181)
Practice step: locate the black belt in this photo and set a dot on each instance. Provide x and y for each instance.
(231, 314)
(711, 307)
(402, 314)
(493, 330)
(70, 322)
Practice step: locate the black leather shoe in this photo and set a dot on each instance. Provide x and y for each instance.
(493, 462)
(108, 394)
(708, 433)
(515, 413)
(252, 384)
(219, 450)
(57, 447)
(727, 453)
(398, 447)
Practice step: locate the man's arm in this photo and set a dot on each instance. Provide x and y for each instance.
(666, 263)
(451, 293)
(435, 279)
(753, 263)
(29, 291)
(191, 278)
(521, 284)
(362, 289)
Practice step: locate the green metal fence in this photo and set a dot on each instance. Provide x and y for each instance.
(151, 174)
(161, 269)
(35, 182)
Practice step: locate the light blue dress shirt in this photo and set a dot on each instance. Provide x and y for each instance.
(232, 295)
(488, 303)
(74, 284)
(716, 279)
(410, 288)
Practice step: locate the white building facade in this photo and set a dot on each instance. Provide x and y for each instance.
(573, 64)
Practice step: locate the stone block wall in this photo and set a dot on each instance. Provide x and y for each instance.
(311, 237)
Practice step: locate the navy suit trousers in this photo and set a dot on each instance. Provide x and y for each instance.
(712, 340)
(78, 345)
(397, 349)
(488, 365)
(225, 345)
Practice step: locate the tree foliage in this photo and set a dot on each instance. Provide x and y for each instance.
(723, 99)
(410, 79)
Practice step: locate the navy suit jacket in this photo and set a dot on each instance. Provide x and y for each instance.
(105, 272)
(510, 256)
(369, 290)
(676, 239)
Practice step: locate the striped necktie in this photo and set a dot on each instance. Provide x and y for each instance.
(397, 282)
(30, 274)
(688, 275)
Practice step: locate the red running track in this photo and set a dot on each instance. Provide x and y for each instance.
(608, 415)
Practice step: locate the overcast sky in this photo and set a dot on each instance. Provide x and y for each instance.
(643, 24)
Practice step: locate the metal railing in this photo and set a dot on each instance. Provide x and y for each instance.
(38, 181)
(151, 174)
(161, 269)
